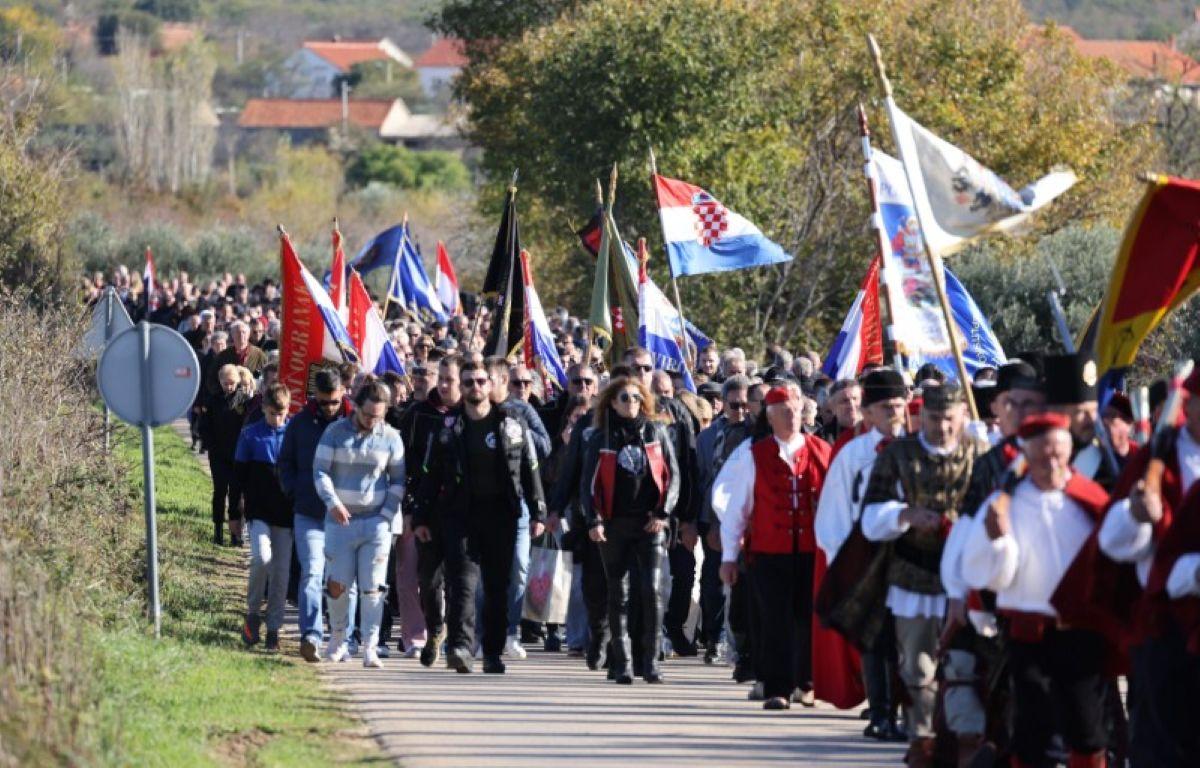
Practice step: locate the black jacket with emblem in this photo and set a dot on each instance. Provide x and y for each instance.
(445, 484)
(654, 438)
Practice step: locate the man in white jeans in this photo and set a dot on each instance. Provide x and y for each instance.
(269, 514)
(359, 475)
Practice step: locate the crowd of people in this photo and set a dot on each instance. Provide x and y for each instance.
(988, 579)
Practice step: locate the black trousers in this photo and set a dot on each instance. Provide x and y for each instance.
(879, 669)
(1164, 708)
(444, 568)
(225, 498)
(712, 597)
(595, 594)
(631, 554)
(1057, 682)
(781, 587)
(389, 602)
(683, 577)
(490, 547)
(741, 620)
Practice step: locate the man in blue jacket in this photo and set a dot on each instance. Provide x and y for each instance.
(328, 404)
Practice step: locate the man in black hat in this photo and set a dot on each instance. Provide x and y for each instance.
(973, 653)
(1071, 391)
(914, 495)
(885, 409)
(1118, 423)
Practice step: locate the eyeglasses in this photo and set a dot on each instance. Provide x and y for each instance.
(328, 403)
(523, 382)
(643, 367)
(474, 382)
(736, 406)
(629, 397)
(580, 381)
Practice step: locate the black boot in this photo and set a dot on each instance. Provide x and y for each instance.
(218, 533)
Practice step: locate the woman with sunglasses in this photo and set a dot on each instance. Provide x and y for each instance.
(629, 487)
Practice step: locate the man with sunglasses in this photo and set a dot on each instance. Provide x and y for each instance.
(713, 446)
(326, 405)
(581, 380)
(482, 471)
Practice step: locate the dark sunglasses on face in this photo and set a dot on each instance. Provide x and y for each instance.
(737, 406)
(629, 397)
(644, 368)
(579, 381)
(474, 382)
(328, 403)
(523, 382)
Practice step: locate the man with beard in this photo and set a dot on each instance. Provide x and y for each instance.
(481, 471)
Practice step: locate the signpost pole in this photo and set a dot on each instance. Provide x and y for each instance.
(109, 294)
(148, 477)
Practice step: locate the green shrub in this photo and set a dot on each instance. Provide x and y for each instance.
(404, 168)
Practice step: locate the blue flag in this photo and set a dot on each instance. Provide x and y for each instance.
(410, 285)
(380, 251)
(981, 348)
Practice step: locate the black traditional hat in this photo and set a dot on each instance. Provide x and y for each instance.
(942, 397)
(984, 394)
(1070, 379)
(882, 384)
(1017, 374)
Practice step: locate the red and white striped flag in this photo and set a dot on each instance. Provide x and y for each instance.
(446, 282)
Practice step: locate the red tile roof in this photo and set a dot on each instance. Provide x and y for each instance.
(1142, 59)
(445, 52)
(173, 36)
(344, 54)
(312, 113)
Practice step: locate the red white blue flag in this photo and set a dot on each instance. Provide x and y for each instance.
(702, 235)
(445, 282)
(860, 341)
(367, 331)
(538, 344)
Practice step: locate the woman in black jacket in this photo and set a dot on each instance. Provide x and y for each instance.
(629, 487)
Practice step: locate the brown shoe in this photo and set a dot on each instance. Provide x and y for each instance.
(920, 753)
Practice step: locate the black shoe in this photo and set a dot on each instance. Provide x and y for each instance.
(877, 729)
(777, 702)
(595, 654)
(742, 673)
(553, 644)
(710, 654)
(896, 732)
(865, 714)
(654, 678)
(250, 630)
(622, 678)
(433, 649)
(492, 665)
(218, 534)
(272, 640)
(459, 659)
(681, 645)
(235, 541)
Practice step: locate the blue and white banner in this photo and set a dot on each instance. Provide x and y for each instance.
(656, 332)
(539, 341)
(702, 235)
(917, 321)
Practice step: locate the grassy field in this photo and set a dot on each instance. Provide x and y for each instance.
(197, 697)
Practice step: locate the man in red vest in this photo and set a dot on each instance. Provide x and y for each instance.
(1020, 548)
(766, 498)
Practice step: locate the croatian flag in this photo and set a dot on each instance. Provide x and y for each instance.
(859, 341)
(337, 276)
(655, 330)
(313, 333)
(150, 282)
(380, 251)
(702, 235)
(446, 282)
(410, 286)
(376, 353)
(539, 342)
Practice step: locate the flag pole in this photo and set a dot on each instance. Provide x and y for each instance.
(387, 299)
(687, 346)
(881, 243)
(587, 348)
(934, 260)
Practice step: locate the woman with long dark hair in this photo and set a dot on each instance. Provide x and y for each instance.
(630, 484)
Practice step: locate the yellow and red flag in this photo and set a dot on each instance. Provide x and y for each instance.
(1157, 269)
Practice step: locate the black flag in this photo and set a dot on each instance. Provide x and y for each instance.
(502, 286)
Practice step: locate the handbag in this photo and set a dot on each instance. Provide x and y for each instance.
(548, 589)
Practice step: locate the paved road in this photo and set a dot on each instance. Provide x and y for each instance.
(549, 710)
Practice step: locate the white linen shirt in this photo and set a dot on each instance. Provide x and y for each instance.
(846, 481)
(733, 492)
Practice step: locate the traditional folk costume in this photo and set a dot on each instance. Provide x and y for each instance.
(1150, 592)
(767, 492)
(912, 472)
(1057, 671)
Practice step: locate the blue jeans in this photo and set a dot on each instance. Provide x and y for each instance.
(520, 572)
(310, 550)
(359, 551)
(577, 618)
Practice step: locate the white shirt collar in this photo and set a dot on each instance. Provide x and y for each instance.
(789, 449)
(934, 449)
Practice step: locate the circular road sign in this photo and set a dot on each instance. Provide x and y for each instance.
(148, 375)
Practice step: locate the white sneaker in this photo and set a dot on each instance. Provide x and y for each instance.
(371, 658)
(513, 647)
(337, 650)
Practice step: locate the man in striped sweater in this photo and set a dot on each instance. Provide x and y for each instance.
(359, 475)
